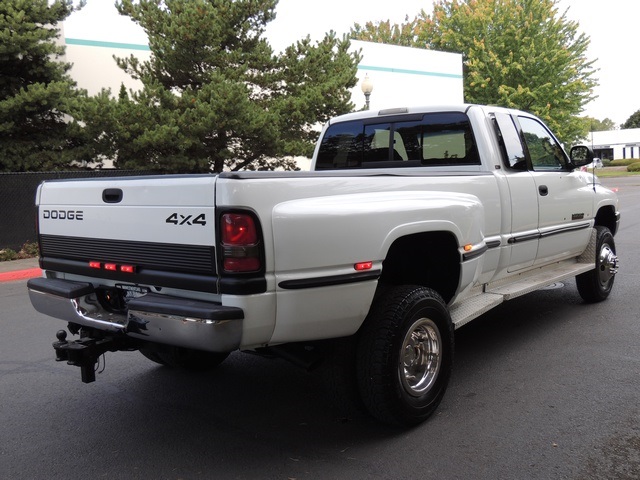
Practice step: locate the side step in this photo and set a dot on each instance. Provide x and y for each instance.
(494, 294)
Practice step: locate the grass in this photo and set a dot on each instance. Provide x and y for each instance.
(609, 172)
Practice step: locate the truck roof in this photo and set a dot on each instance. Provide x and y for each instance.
(416, 109)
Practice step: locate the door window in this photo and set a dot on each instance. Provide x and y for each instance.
(545, 152)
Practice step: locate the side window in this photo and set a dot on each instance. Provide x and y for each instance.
(442, 139)
(545, 152)
(341, 146)
(510, 141)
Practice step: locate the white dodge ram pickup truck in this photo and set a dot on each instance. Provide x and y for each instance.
(412, 222)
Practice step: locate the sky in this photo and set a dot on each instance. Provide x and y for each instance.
(611, 26)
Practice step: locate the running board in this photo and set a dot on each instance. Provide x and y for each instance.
(494, 294)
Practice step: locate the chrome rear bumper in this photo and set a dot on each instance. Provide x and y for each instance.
(156, 318)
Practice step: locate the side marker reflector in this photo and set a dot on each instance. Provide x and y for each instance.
(359, 267)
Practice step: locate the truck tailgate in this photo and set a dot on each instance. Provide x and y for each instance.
(108, 224)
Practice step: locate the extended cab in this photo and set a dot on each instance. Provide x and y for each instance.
(411, 223)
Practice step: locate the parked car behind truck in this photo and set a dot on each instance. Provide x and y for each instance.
(412, 223)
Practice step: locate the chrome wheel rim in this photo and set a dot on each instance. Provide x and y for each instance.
(420, 357)
(608, 265)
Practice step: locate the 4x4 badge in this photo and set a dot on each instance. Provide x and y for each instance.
(178, 219)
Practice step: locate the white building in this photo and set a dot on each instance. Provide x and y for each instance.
(400, 75)
(403, 76)
(616, 144)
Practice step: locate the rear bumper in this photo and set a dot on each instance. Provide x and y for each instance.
(155, 318)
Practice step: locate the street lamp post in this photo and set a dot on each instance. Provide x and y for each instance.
(367, 88)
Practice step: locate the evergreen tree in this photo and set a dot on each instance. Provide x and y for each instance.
(517, 53)
(214, 95)
(36, 94)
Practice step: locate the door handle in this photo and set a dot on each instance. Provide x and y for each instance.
(544, 191)
(112, 195)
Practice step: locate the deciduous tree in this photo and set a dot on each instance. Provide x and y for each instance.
(523, 54)
(633, 121)
(403, 34)
(595, 125)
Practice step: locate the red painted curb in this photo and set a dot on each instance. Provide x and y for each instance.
(20, 274)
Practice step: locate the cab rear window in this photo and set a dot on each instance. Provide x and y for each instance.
(435, 139)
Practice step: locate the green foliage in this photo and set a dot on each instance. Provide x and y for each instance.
(28, 250)
(517, 53)
(634, 167)
(36, 94)
(633, 121)
(214, 95)
(622, 162)
(404, 34)
(595, 125)
(313, 84)
(6, 254)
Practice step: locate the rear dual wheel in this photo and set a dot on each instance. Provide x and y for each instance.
(405, 355)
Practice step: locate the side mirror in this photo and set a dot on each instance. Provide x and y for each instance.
(580, 156)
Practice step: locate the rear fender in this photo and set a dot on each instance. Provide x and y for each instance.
(324, 238)
(338, 231)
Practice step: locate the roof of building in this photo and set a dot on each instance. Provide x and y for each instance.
(627, 137)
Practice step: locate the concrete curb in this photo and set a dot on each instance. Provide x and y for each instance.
(20, 275)
(19, 270)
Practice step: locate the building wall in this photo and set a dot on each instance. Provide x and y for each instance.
(616, 144)
(94, 66)
(401, 76)
(404, 76)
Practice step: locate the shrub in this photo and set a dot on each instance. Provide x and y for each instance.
(606, 163)
(7, 254)
(29, 250)
(623, 163)
(634, 167)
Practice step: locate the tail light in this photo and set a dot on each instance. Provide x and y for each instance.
(240, 242)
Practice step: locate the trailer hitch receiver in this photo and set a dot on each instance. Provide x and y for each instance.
(86, 351)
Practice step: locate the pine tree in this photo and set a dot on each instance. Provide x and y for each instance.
(36, 93)
(215, 96)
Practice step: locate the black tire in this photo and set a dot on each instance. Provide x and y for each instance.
(338, 373)
(186, 358)
(595, 285)
(395, 386)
